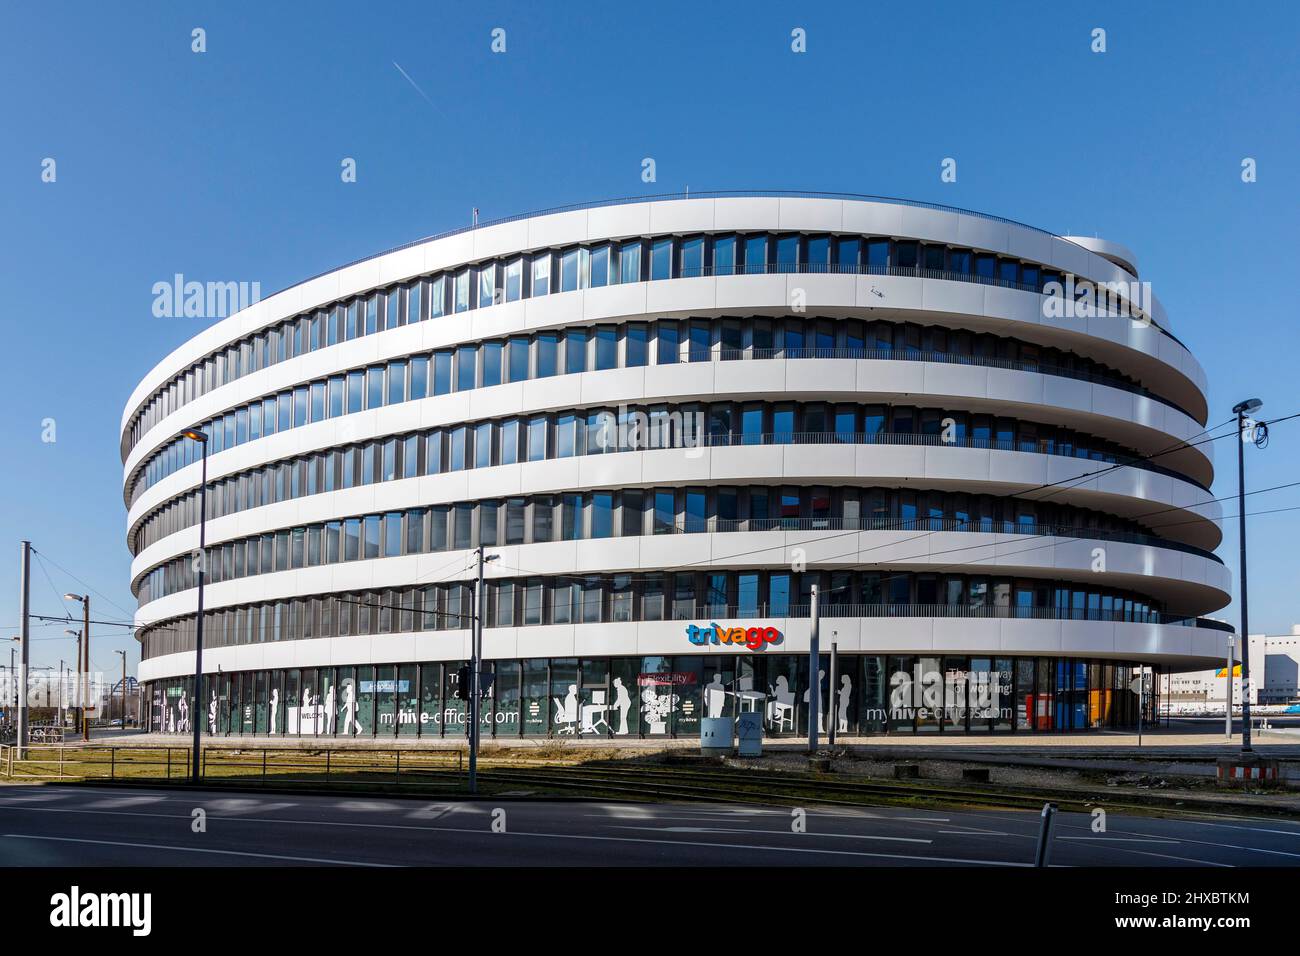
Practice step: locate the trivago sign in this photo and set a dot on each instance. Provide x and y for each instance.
(753, 638)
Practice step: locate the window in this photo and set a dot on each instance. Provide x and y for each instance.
(755, 255)
(514, 280)
(661, 259)
(517, 359)
(569, 270)
(575, 351)
(606, 347)
(419, 377)
(636, 345)
(542, 274)
(692, 258)
(487, 285)
(724, 255)
(669, 345)
(548, 344)
(396, 382)
(466, 367)
(787, 254)
(461, 300)
(492, 352)
(442, 372)
(598, 267)
(375, 386)
(629, 262)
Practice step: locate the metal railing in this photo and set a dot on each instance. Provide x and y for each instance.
(974, 525)
(236, 766)
(698, 612)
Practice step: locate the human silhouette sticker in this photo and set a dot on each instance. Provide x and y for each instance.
(183, 723)
(842, 708)
(212, 713)
(622, 704)
(275, 708)
(330, 714)
(821, 702)
(715, 696)
(351, 722)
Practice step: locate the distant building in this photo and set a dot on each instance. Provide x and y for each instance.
(1275, 677)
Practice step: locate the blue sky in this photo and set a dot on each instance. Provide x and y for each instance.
(225, 166)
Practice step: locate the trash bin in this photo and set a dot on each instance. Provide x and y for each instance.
(717, 736)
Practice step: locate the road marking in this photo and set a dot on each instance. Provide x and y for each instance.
(193, 849)
(837, 836)
(975, 831)
(1111, 839)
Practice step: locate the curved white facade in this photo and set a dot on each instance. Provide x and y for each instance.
(882, 399)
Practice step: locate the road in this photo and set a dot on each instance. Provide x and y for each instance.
(88, 826)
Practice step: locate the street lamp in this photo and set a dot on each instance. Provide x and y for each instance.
(193, 434)
(83, 662)
(1241, 410)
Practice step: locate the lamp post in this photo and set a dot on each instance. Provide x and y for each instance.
(1241, 410)
(193, 434)
(83, 662)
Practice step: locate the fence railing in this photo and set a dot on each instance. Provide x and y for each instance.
(235, 766)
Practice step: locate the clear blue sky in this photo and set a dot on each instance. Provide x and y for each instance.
(225, 166)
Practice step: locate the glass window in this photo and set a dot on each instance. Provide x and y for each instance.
(461, 301)
(396, 382)
(419, 377)
(636, 345)
(542, 274)
(487, 282)
(661, 259)
(375, 386)
(517, 358)
(492, 352)
(606, 347)
(575, 351)
(466, 367)
(442, 372)
(548, 344)
(598, 267)
(629, 262)
(514, 280)
(668, 350)
(755, 254)
(569, 270)
(692, 257)
(724, 255)
(787, 253)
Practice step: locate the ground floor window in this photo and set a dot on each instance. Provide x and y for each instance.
(664, 696)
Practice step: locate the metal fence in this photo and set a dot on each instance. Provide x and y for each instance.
(236, 766)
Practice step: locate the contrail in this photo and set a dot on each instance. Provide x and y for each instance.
(417, 88)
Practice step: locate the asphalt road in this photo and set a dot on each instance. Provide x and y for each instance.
(88, 826)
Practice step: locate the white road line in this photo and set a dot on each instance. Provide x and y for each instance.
(192, 849)
(836, 836)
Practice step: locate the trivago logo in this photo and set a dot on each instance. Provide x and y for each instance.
(754, 638)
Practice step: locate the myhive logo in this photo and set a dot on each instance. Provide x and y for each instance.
(753, 638)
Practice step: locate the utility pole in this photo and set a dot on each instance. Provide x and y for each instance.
(831, 709)
(814, 682)
(24, 635)
(123, 653)
(1241, 409)
(476, 665)
(1227, 692)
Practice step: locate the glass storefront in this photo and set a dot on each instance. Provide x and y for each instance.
(663, 696)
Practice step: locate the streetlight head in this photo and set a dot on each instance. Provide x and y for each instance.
(193, 434)
(1248, 406)
(76, 634)
(73, 597)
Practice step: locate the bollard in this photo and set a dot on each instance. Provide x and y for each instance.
(1045, 835)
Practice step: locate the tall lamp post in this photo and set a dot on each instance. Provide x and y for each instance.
(1241, 410)
(83, 663)
(193, 434)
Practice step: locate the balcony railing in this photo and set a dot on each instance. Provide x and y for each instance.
(912, 438)
(705, 612)
(976, 525)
